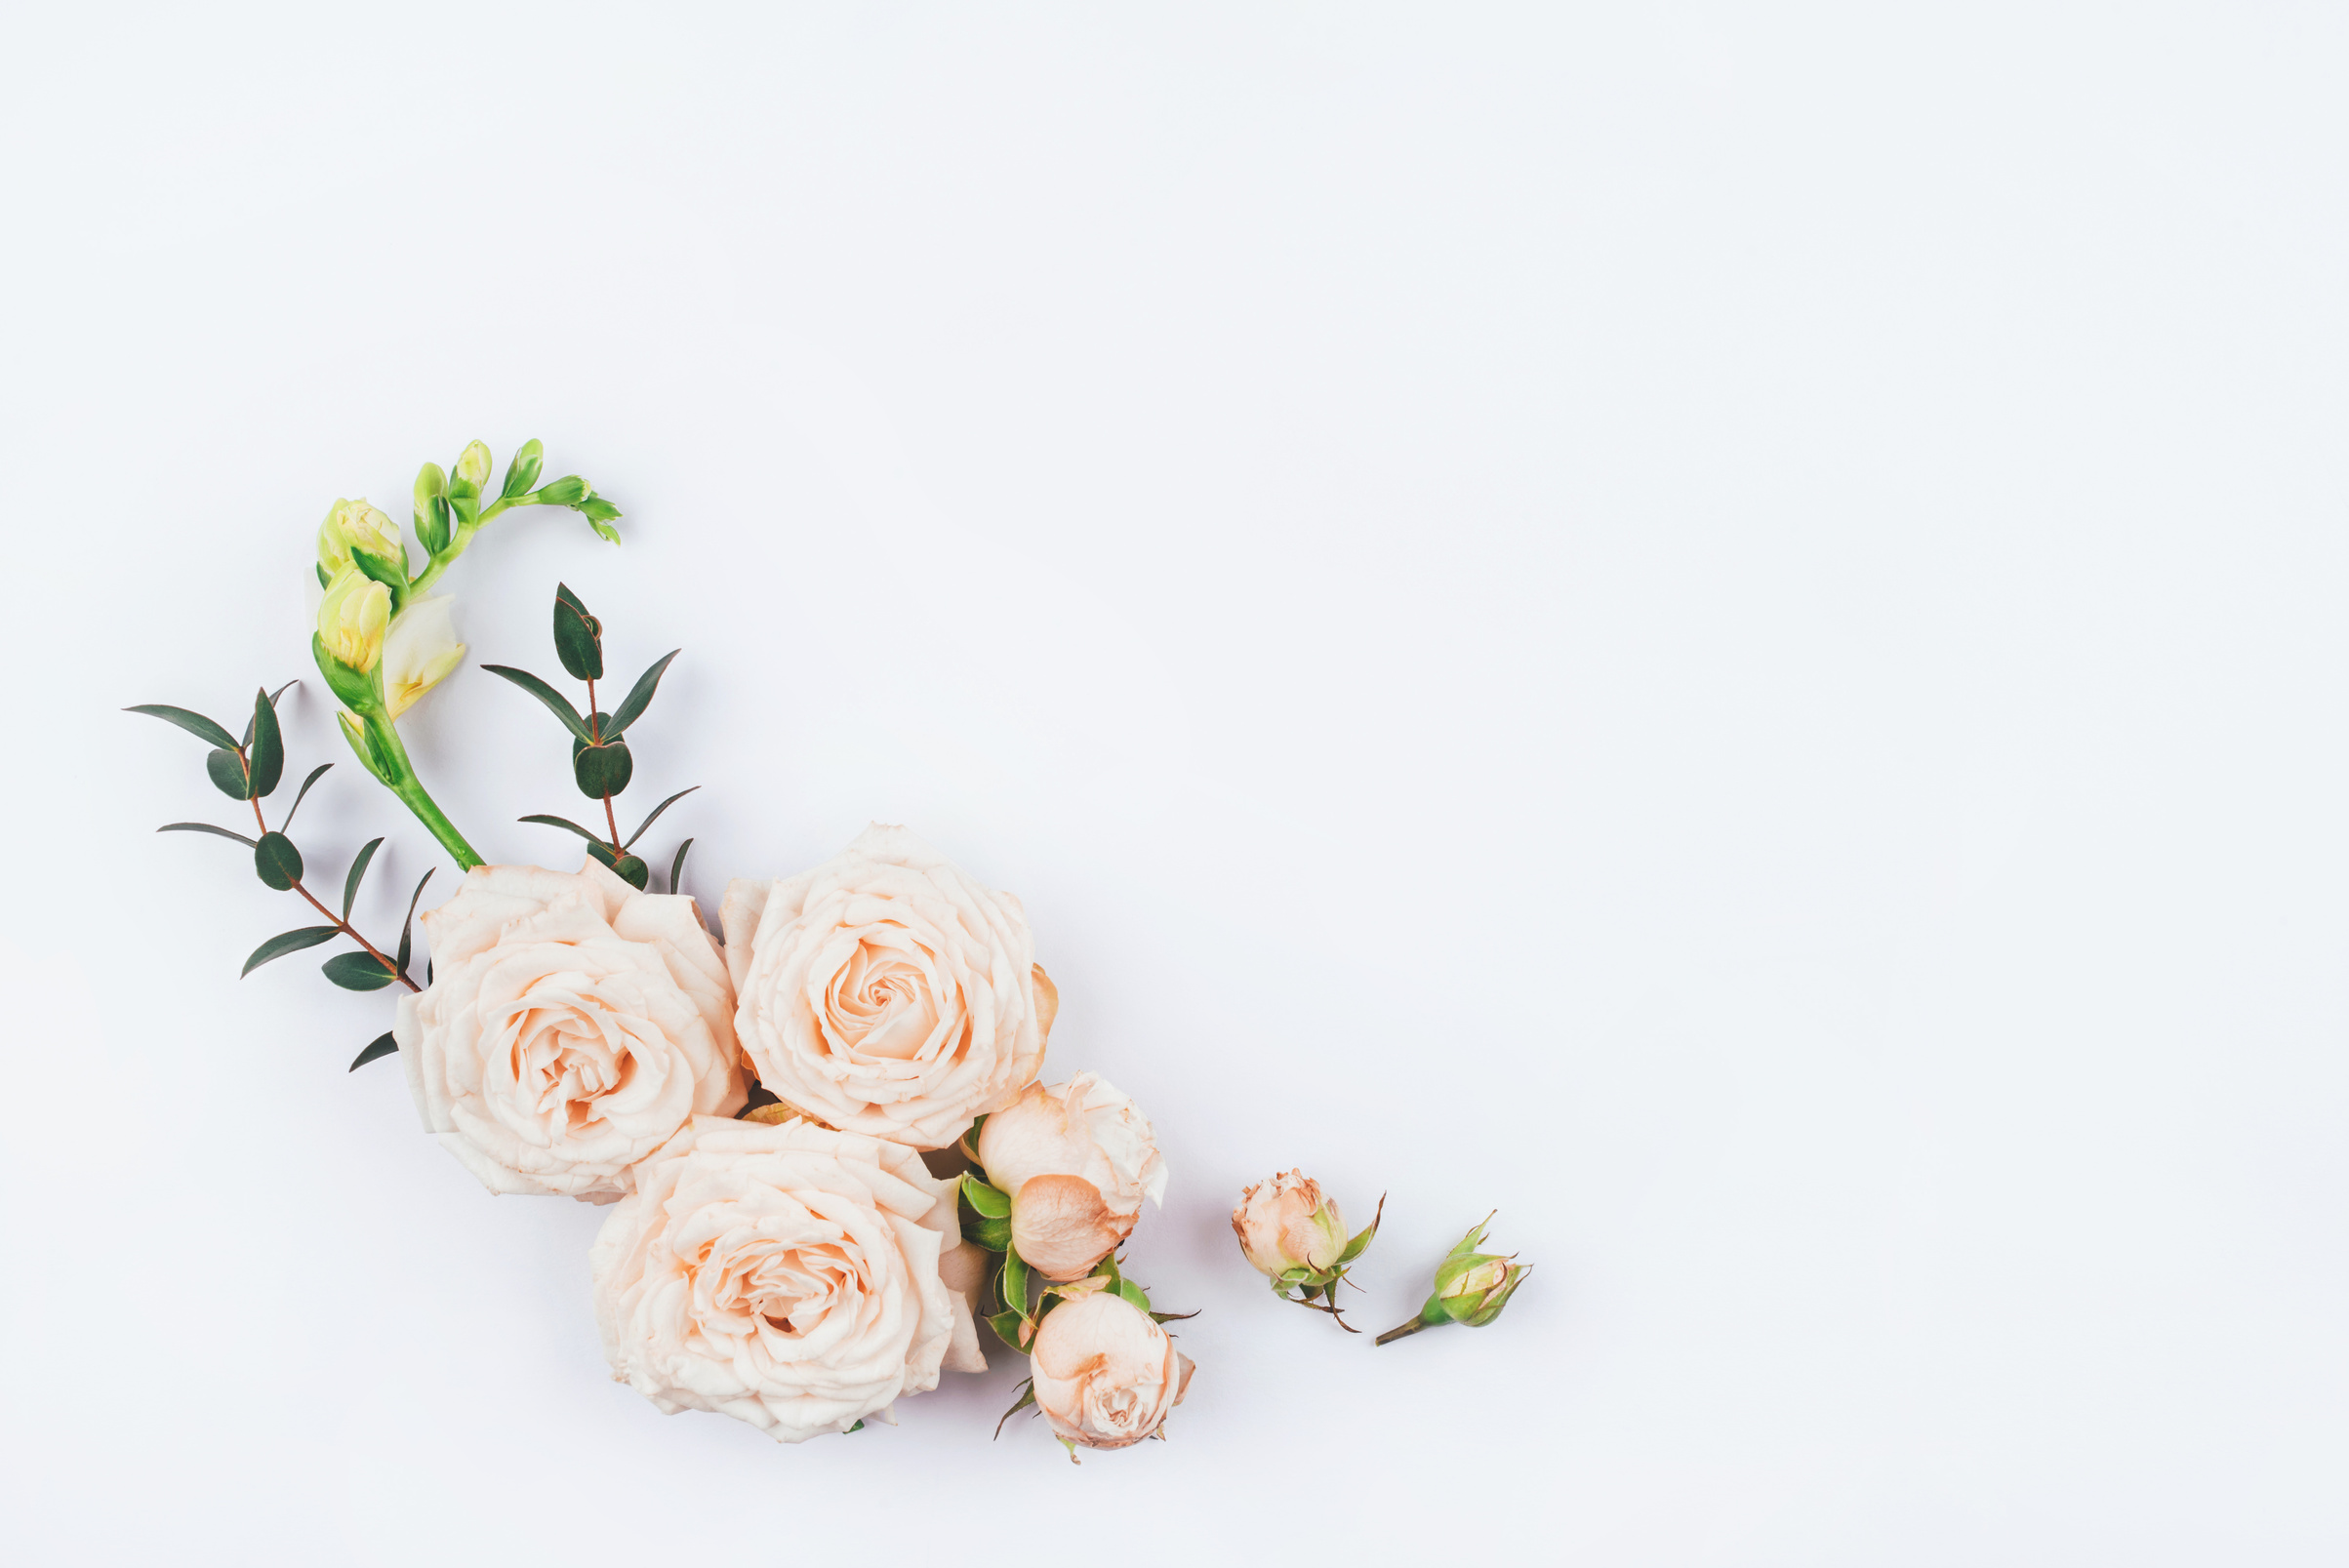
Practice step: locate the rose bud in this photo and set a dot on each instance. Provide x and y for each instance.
(1470, 1287)
(1296, 1237)
(1104, 1373)
(1076, 1162)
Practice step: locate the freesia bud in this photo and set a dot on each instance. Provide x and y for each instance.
(353, 618)
(354, 525)
(1106, 1373)
(1295, 1235)
(1076, 1162)
(420, 649)
(473, 465)
(1470, 1287)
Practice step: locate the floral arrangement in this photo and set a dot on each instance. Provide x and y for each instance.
(821, 1130)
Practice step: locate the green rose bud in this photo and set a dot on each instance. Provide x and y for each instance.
(1470, 1287)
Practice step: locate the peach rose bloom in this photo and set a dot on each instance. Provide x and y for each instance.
(885, 993)
(1287, 1224)
(790, 1277)
(1105, 1374)
(1076, 1160)
(572, 1025)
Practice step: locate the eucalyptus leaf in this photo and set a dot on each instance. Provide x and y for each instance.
(284, 942)
(205, 827)
(277, 861)
(603, 771)
(561, 821)
(273, 697)
(641, 696)
(556, 702)
(315, 773)
(633, 871)
(602, 853)
(676, 868)
(267, 761)
(407, 926)
(195, 724)
(656, 816)
(358, 873)
(357, 972)
(577, 637)
(383, 1045)
(227, 774)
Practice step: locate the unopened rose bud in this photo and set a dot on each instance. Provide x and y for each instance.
(1076, 1162)
(420, 650)
(352, 619)
(473, 465)
(1470, 1287)
(1106, 1373)
(1295, 1237)
(354, 525)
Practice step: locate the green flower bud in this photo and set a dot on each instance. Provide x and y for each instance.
(352, 620)
(354, 525)
(1470, 1287)
(473, 465)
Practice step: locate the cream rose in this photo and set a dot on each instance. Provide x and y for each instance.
(1076, 1162)
(1287, 1224)
(790, 1277)
(885, 993)
(1106, 1373)
(572, 1025)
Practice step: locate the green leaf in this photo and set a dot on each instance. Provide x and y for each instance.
(603, 770)
(577, 637)
(603, 853)
(1361, 1239)
(556, 702)
(1015, 1282)
(228, 773)
(393, 575)
(408, 924)
(992, 1234)
(205, 827)
(273, 697)
(358, 873)
(357, 972)
(195, 724)
(277, 861)
(1012, 1329)
(657, 811)
(323, 579)
(382, 1045)
(299, 793)
(676, 868)
(858, 1427)
(640, 696)
(633, 871)
(1133, 1294)
(523, 472)
(562, 822)
(267, 758)
(284, 942)
(991, 1202)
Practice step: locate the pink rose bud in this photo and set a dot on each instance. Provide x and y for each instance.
(1077, 1159)
(1295, 1235)
(1104, 1373)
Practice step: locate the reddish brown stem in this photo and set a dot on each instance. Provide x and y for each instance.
(339, 923)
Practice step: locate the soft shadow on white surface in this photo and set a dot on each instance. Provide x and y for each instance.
(1721, 633)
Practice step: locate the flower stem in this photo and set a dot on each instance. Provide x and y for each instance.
(411, 791)
(1430, 1317)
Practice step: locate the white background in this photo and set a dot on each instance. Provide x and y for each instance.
(1723, 631)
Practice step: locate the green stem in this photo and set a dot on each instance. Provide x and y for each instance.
(411, 791)
(447, 558)
(1430, 1317)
